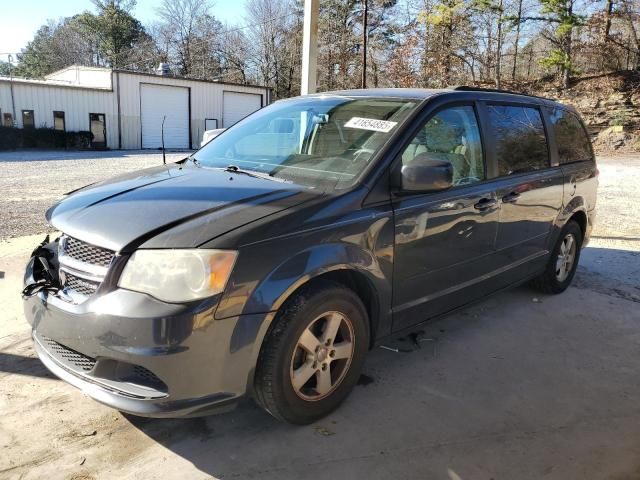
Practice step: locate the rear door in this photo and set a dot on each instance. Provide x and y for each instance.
(444, 241)
(529, 188)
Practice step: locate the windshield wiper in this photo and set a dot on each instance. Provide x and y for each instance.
(253, 173)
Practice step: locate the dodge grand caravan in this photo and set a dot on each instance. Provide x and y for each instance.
(268, 262)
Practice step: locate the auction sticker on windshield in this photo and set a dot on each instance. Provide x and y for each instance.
(370, 124)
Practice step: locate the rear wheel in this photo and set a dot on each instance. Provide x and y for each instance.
(563, 261)
(312, 354)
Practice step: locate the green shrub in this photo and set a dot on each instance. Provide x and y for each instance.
(12, 138)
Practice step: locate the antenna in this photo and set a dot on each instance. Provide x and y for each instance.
(164, 157)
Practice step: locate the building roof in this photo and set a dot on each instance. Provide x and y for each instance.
(49, 83)
(189, 79)
(59, 79)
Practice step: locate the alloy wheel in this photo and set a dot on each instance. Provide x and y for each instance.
(566, 257)
(322, 356)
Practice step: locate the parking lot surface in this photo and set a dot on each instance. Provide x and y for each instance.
(33, 180)
(520, 386)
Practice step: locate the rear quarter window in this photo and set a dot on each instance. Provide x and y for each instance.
(571, 137)
(520, 140)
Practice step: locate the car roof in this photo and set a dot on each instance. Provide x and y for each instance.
(461, 92)
(412, 93)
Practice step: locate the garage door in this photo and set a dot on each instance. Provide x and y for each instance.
(158, 101)
(237, 105)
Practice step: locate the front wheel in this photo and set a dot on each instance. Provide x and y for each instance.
(563, 261)
(313, 353)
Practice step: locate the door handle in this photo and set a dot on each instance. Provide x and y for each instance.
(485, 203)
(511, 197)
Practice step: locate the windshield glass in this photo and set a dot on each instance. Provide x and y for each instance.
(322, 142)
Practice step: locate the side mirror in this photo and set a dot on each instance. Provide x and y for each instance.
(425, 174)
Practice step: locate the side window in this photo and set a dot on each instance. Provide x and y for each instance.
(451, 135)
(571, 138)
(7, 120)
(27, 119)
(521, 144)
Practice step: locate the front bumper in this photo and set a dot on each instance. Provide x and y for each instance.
(145, 357)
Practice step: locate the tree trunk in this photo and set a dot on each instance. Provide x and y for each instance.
(566, 47)
(517, 40)
(628, 15)
(498, 78)
(607, 24)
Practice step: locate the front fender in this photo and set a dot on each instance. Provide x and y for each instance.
(277, 286)
(274, 290)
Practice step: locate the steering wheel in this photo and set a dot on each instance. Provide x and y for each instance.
(360, 151)
(465, 180)
(231, 152)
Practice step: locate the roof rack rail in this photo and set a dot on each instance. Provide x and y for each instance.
(467, 88)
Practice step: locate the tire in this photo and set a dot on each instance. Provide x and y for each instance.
(286, 353)
(551, 281)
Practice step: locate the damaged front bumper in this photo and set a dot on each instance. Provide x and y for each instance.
(143, 356)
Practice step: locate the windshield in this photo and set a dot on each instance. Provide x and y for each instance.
(322, 142)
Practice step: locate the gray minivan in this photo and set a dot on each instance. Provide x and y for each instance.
(271, 260)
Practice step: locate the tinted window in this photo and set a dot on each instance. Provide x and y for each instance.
(27, 119)
(7, 120)
(571, 138)
(58, 121)
(521, 145)
(451, 135)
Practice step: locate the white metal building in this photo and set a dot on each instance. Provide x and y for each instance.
(125, 110)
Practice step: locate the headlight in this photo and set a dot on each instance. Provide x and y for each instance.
(178, 275)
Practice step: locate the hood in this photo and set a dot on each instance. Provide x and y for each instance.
(172, 206)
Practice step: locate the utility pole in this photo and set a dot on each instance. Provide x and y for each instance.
(310, 47)
(365, 12)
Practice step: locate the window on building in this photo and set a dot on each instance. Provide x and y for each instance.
(27, 119)
(451, 135)
(7, 120)
(58, 121)
(571, 137)
(521, 144)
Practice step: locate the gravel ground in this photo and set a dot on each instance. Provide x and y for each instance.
(32, 181)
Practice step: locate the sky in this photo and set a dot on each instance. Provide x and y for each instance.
(19, 20)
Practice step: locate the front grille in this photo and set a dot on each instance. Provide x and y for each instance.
(87, 253)
(80, 285)
(82, 268)
(74, 360)
(143, 376)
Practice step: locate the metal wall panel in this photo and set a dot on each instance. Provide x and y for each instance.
(206, 102)
(76, 103)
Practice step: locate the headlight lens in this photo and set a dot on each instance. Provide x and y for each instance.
(178, 275)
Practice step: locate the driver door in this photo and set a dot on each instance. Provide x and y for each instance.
(445, 241)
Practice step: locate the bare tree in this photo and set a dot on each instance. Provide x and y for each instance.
(183, 26)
